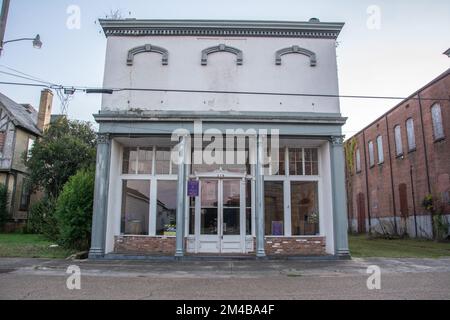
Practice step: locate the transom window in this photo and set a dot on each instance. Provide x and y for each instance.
(301, 162)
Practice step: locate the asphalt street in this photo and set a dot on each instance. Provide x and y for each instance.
(225, 280)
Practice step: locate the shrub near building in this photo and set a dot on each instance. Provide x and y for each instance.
(74, 210)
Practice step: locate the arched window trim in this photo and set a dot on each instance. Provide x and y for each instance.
(148, 48)
(222, 48)
(296, 49)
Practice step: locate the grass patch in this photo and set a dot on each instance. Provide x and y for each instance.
(363, 247)
(29, 246)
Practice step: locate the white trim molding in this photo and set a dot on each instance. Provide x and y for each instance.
(148, 48)
(295, 49)
(222, 48)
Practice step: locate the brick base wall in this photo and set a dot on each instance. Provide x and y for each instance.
(145, 245)
(314, 246)
(274, 246)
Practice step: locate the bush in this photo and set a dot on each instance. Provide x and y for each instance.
(42, 219)
(74, 210)
(3, 205)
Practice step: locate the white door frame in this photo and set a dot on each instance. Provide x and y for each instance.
(220, 239)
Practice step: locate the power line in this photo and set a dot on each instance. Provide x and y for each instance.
(24, 77)
(111, 90)
(25, 74)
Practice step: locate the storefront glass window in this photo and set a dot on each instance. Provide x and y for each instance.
(135, 207)
(274, 207)
(304, 208)
(166, 208)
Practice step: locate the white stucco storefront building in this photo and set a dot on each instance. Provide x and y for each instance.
(202, 79)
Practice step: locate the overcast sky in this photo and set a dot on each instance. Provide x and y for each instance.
(390, 56)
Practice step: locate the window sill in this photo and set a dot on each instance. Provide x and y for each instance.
(412, 150)
(400, 156)
(439, 140)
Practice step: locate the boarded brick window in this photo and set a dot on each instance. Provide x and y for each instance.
(411, 134)
(438, 128)
(371, 154)
(380, 150)
(358, 160)
(398, 141)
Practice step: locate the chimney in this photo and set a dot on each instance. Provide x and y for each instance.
(45, 109)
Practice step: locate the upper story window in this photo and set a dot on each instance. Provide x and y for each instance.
(371, 154)
(438, 128)
(411, 135)
(380, 149)
(30, 147)
(398, 141)
(358, 161)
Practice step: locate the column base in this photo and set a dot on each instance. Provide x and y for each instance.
(343, 254)
(96, 253)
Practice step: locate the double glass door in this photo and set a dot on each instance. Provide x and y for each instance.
(221, 216)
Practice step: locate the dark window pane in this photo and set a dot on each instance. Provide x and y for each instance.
(305, 208)
(167, 208)
(135, 207)
(274, 207)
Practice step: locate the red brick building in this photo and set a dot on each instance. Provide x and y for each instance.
(396, 161)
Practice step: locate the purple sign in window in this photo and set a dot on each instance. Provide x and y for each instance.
(193, 188)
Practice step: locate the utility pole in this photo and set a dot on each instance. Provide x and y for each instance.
(3, 20)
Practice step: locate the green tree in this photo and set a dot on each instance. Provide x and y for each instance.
(74, 210)
(66, 147)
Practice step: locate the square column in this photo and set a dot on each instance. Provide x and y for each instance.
(260, 230)
(340, 221)
(100, 197)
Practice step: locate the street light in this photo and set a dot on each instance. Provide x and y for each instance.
(37, 43)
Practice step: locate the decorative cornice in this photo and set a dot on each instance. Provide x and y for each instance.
(222, 48)
(297, 50)
(148, 48)
(228, 28)
(221, 116)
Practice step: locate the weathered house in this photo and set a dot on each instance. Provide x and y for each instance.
(20, 126)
